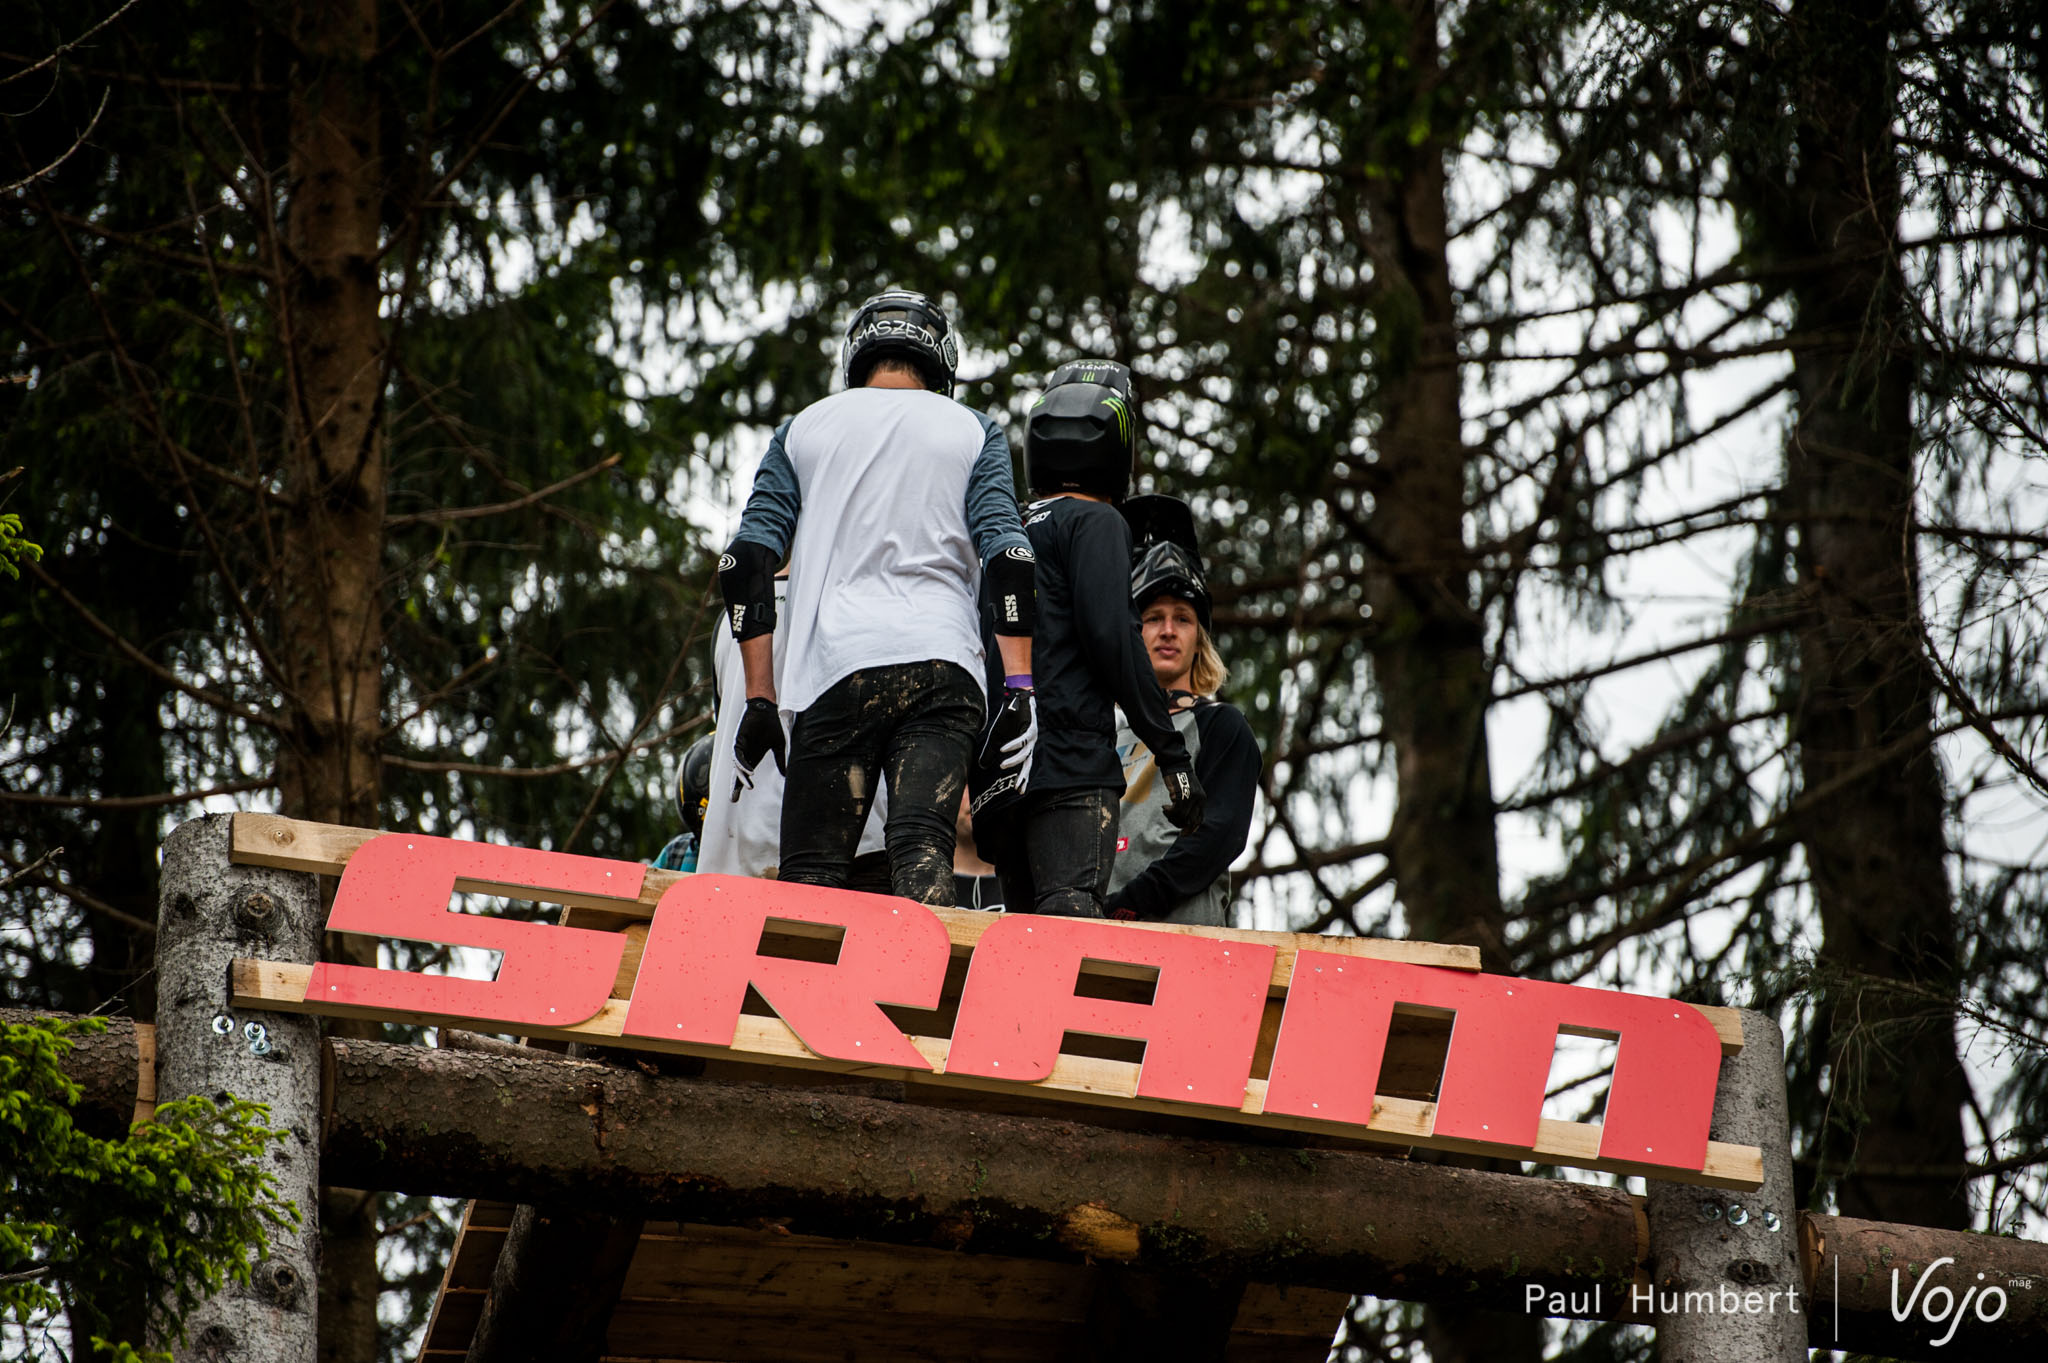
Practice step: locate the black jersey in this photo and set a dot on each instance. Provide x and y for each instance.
(1086, 655)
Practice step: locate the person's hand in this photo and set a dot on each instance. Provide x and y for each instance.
(760, 733)
(1012, 735)
(1184, 798)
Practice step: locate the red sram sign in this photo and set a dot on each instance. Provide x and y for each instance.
(1200, 1027)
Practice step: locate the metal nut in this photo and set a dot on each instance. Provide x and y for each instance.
(254, 1031)
(1737, 1214)
(259, 1046)
(1773, 1222)
(1710, 1211)
(222, 1024)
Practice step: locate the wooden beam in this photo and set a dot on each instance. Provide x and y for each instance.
(1082, 1079)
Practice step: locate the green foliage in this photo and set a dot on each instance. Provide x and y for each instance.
(165, 1216)
(13, 546)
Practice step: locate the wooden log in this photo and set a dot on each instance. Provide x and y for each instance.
(573, 1133)
(1863, 1275)
(210, 912)
(550, 1129)
(1708, 1249)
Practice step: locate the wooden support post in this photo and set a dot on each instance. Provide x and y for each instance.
(555, 1286)
(1725, 1267)
(210, 912)
(1182, 1316)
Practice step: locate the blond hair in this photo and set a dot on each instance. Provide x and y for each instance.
(1208, 674)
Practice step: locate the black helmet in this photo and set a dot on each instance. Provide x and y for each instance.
(1166, 558)
(901, 325)
(693, 783)
(1078, 436)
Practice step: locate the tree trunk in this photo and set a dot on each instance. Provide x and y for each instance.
(210, 913)
(1429, 650)
(331, 628)
(1877, 851)
(1733, 1244)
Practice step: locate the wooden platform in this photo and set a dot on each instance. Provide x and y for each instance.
(705, 1294)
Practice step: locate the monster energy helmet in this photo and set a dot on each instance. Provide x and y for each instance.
(1166, 556)
(693, 783)
(1078, 435)
(897, 324)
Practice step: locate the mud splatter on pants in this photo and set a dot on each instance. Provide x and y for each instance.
(913, 724)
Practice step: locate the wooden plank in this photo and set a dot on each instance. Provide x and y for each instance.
(281, 987)
(1306, 1312)
(461, 1298)
(301, 845)
(715, 1269)
(770, 1333)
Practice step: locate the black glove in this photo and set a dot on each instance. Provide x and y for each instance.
(760, 733)
(1011, 736)
(1184, 798)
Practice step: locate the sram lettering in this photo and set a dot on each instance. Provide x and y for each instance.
(1222, 1025)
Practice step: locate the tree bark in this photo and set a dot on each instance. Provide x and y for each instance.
(1863, 716)
(210, 913)
(1703, 1240)
(332, 546)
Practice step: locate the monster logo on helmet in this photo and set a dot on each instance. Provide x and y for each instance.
(1078, 436)
(898, 324)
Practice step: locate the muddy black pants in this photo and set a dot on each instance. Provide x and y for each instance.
(911, 723)
(1054, 851)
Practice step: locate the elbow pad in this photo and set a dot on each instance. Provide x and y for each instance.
(746, 579)
(1012, 590)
